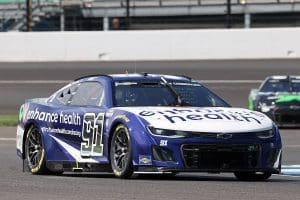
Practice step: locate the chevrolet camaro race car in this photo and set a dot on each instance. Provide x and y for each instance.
(279, 98)
(145, 123)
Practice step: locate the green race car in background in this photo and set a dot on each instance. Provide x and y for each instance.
(279, 98)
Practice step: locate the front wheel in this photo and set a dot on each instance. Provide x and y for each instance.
(252, 176)
(120, 153)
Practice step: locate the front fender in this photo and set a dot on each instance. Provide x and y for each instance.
(141, 141)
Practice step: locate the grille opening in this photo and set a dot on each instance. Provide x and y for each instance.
(221, 156)
(287, 118)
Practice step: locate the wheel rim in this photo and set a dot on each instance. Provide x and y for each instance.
(121, 153)
(34, 148)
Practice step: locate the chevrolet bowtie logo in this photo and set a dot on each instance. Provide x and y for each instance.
(224, 135)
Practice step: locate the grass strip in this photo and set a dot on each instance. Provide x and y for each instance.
(8, 120)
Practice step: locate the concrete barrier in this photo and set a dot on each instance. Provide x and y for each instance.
(292, 170)
(150, 45)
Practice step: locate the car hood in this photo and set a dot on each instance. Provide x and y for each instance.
(203, 119)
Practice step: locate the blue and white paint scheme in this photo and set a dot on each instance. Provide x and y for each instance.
(77, 123)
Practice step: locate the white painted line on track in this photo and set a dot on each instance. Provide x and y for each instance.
(68, 81)
(285, 175)
(290, 167)
(7, 139)
(292, 146)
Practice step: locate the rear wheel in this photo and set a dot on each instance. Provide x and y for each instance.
(252, 176)
(34, 152)
(120, 153)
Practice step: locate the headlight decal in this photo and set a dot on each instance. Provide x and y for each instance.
(166, 132)
(188, 134)
(266, 134)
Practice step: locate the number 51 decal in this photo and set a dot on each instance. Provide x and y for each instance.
(92, 130)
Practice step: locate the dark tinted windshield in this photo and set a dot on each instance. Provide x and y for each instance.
(285, 85)
(158, 94)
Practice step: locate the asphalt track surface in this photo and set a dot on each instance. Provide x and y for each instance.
(239, 77)
(15, 184)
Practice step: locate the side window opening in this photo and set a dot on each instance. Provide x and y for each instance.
(87, 94)
(64, 96)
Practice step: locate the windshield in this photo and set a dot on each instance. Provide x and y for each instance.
(295, 84)
(285, 85)
(159, 94)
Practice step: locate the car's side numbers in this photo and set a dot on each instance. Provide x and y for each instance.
(92, 130)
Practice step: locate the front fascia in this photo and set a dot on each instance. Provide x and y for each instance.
(144, 141)
(175, 145)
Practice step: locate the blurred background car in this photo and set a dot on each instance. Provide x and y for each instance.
(279, 98)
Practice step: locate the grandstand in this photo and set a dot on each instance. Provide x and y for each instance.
(76, 15)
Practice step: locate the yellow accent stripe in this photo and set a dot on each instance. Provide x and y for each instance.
(36, 169)
(29, 131)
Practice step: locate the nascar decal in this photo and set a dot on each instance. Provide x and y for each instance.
(163, 143)
(145, 160)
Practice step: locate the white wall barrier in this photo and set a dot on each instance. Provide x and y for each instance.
(150, 45)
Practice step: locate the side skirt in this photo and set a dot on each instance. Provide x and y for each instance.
(77, 167)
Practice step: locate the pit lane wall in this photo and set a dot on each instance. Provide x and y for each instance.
(150, 45)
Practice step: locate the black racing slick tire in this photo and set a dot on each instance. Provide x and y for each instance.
(35, 152)
(252, 176)
(120, 153)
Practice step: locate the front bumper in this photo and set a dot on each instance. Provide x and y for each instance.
(218, 157)
(167, 170)
(285, 117)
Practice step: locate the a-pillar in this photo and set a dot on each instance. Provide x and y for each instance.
(105, 23)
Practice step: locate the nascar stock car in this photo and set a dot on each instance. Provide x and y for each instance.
(279, 98)
(145, 123)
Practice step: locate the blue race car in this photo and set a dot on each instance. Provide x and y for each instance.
(145, 123)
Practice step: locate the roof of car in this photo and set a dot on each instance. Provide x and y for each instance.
(135, 76)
